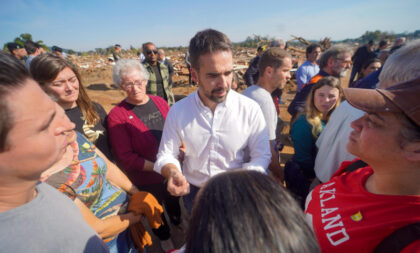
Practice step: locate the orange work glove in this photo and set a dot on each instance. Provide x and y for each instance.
(140, 236)
(146, 204)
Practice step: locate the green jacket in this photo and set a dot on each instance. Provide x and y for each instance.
(151, 85)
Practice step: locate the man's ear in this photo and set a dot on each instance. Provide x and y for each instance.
(412, 151)
(194, 75)
(269, 71)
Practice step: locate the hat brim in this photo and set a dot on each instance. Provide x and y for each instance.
(370, 100)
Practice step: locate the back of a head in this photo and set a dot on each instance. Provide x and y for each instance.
(56, 49)
(207, 41)
(277, 43)
(31, 46)
(246, 211)
(334, 52)
(401, 66)
(272, 57)
(12, 76)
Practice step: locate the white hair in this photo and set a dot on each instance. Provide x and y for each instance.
(124, 66)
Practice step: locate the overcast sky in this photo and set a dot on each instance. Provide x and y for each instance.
(85, 25)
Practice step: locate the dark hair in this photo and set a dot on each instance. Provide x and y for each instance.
(311, 48)
(46, 67)
(12, 77)
(31, 46)
(207, 41)
(143, 47)
(57, 49)
(383, 43)
(246, 211)
(370, 61)
(272, 57)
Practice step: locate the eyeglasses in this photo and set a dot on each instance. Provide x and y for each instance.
(148, 51)
(130, 85)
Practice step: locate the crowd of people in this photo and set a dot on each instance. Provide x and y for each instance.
(76, 179)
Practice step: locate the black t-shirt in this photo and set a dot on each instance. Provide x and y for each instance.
(150, 115)
(98, 133)
(159, 82)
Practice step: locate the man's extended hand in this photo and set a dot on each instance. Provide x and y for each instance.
(178, 184)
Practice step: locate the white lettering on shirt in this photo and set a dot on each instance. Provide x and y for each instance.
(330, 218)
(340, 236)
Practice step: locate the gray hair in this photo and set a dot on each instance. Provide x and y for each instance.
(401, 66)
(334, 52)
(124, 66)
(277, 43)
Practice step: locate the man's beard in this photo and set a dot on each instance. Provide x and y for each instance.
(218, 100)
(343, 73)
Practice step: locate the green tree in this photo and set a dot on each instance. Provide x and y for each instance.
(25, 37)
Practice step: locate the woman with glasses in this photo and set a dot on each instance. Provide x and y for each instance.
(60, 79)
(135, 129)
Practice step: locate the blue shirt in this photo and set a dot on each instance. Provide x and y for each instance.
(305, 72)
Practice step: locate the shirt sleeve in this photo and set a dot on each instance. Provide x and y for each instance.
(333, 141)
(250, 73)
(303, 143)
(120, 140)
(301, 77)
(169, 144)
(259, 145)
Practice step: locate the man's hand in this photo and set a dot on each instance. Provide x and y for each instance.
(177, 183)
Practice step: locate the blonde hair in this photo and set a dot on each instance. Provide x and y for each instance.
(313, 116)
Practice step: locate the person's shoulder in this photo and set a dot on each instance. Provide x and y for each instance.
(241, 98)
(98, 108)
(301, 119)
(157, 99)
(185, 103)
(118, 108)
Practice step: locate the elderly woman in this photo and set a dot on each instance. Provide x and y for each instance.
(362, 207)
(60, 79)
(135, 128)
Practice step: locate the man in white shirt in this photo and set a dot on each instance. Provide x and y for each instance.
(310, 67)
(274, 66)
(220, 129)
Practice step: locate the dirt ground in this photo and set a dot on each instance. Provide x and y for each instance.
(101, 89)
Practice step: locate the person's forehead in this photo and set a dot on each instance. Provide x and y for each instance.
(346, 55)
(217, 58)
(150, 46)
(29, 104)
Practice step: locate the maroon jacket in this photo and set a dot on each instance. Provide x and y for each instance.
(132, 142)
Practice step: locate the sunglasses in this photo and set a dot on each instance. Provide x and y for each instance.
(148, 51)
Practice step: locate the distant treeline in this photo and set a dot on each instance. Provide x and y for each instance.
(250, 42)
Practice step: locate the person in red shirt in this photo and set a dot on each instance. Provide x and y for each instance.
(358, 211)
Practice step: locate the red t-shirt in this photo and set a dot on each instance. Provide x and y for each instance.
(347, 218)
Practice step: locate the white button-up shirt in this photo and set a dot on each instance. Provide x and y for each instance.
(234, 137)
